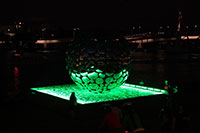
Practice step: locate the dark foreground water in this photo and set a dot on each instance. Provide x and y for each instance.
(184, 74)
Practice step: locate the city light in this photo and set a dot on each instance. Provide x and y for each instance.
(190, 37)
(46, 41)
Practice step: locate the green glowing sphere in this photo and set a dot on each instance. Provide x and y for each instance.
(98, 81)
(99, 63)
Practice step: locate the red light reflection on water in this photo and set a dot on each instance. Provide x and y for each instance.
(16, 77)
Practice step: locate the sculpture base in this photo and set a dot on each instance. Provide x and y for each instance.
(83, 96)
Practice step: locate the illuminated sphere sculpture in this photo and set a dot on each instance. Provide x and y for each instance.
(99, 62)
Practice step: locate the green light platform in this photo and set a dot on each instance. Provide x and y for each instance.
(83, 96)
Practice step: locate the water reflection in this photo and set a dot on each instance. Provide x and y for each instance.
(152, 73)
(16, 78)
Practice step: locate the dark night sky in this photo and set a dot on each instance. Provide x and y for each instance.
(102, 13)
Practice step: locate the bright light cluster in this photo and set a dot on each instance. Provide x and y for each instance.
(83, 96)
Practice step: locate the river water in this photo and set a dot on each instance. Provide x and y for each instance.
(152, 68)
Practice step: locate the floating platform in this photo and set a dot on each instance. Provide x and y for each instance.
(125, 91)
